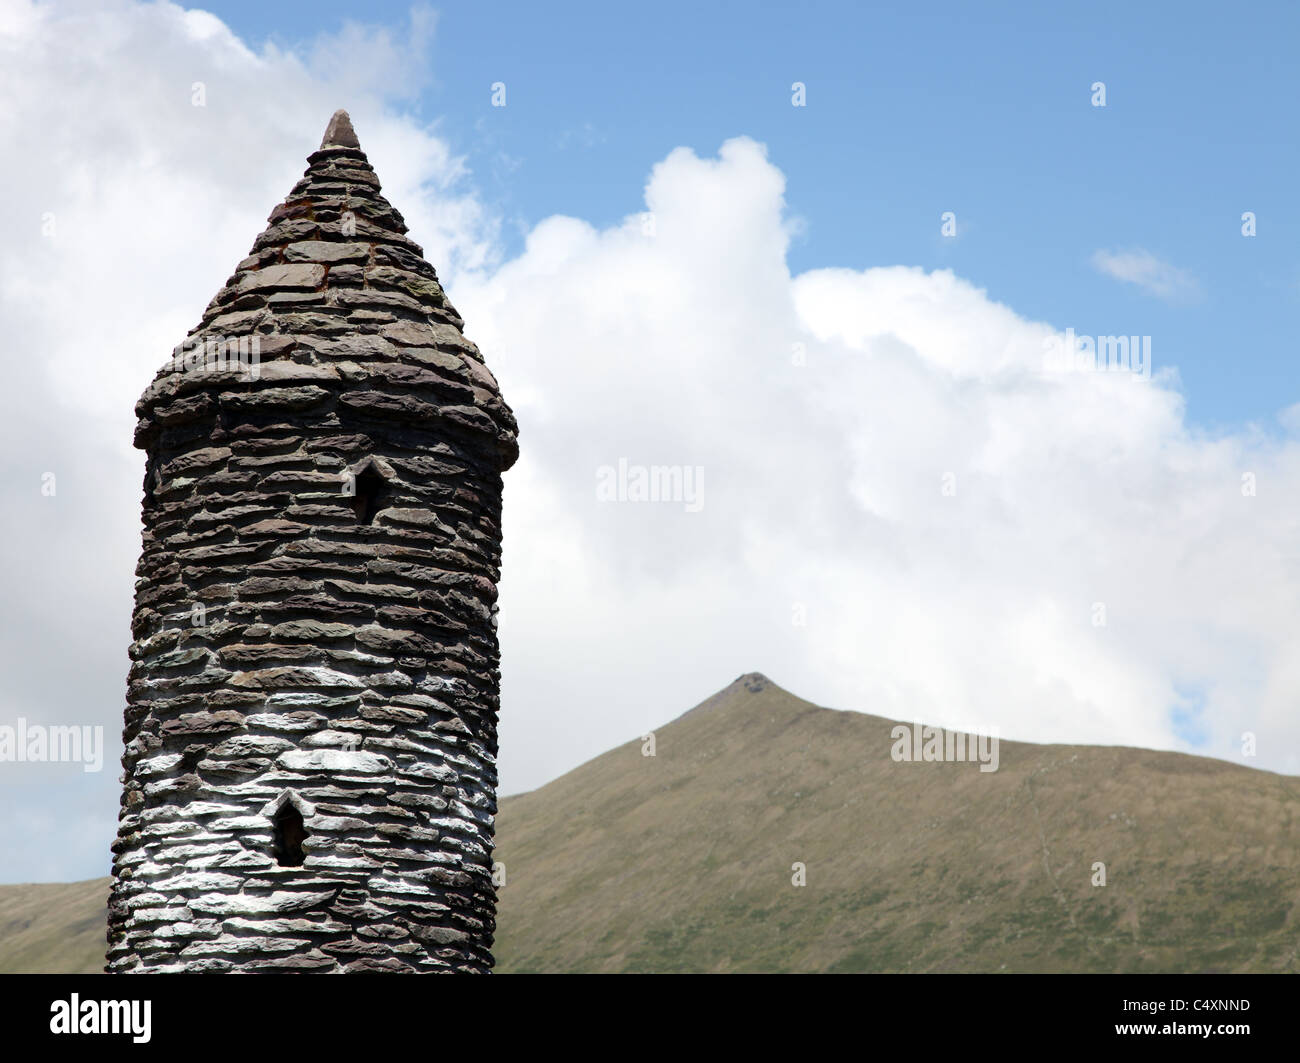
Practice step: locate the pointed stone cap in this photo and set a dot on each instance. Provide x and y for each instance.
(339, 133)
(349, 320)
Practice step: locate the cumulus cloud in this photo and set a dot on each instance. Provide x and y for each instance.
(1151, 274)
(901, 512)
(904, 512)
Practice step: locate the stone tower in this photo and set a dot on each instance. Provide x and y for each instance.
(311, 720)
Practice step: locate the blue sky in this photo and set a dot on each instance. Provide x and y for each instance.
(912, 110)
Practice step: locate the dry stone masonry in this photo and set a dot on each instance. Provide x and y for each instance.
(310, 765)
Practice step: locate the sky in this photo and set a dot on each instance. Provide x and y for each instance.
(818, 259)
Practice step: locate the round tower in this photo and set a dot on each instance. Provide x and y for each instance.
(311, 720)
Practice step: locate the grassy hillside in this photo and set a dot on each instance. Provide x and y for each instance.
(53, 929)
(682, 861)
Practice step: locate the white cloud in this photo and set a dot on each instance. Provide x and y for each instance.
(822, 481)
(824, 492)
(1151, 274)
(1289, 418)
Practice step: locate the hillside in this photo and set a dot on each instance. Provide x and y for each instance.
(682, 861)
(52, 929)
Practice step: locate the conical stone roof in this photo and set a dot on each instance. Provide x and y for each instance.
(344, 309)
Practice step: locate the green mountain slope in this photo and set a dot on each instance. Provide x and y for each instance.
(683, 861)
(53, 929)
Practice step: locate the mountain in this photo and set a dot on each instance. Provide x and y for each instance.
(683, 861)
(53, 929)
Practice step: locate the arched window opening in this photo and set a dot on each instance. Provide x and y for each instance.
(150, 481)
(372, 495)
(288, 835)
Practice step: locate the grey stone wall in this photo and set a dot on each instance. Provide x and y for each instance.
(310, 778)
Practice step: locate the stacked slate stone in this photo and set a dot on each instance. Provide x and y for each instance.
(310, 780)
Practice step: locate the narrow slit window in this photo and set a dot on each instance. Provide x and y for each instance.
(288, 835)
(150, 482)
(372, 495)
